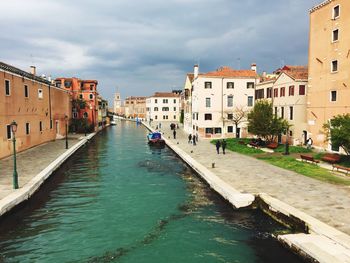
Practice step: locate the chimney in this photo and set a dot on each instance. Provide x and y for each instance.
(195, 70)
(264, 74)
(33, 70)
(253, 67)
(49, 78)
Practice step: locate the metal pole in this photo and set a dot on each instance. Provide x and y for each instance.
(15, 174)
(66, 135)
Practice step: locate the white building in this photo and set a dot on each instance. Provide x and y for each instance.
(163, 106)
(287, 92)
(216, 97)
(187, 103)
(117, 104)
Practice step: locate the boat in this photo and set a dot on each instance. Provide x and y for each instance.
(155, 139)
(113, 123)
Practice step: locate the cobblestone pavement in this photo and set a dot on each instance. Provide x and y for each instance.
(326, 202)
(31, 162)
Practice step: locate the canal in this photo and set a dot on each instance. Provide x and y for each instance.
(118, 200)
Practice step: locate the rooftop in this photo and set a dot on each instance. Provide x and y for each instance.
(228, 72)
(316, 7)
(165, 95)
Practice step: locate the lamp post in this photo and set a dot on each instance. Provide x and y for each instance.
(286, 149)
(66, 120)
(15, 174)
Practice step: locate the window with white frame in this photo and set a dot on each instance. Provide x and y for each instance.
(334, 66)
(250, 101)
(335, 35)
(207, 85)
(40, 93)
(7, 87)
(155, 101)
(230, 85)
(336, 12)
(250, 85)
(229, 129)
(207, 102)
(291, 113)
(207, 117)
(155, 108)
(165, 100)
(174, 108)
(165, 109)
(333, 95)
(230, 101)
(174, 117)
(26, 91)
(175, 101)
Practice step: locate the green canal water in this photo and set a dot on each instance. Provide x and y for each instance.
(118, 200)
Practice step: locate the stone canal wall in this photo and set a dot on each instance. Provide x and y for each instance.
(317, 242)
(24, 193)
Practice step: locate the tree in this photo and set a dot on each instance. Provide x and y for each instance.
(337, 131)
(238, 115)
(263, 123)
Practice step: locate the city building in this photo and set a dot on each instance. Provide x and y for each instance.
(163, 106)
(39, 108)
(117, 104)
(329, 67)
(217, 97)
(286, 89)
(84, 102)
(102, 112)
(135, 107)
(187, 102)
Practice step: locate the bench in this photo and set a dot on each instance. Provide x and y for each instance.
(339, 167)
(331, 158)
(307, 158)
(272, 145)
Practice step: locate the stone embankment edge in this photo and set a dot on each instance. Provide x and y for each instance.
(237, 199)
(321, 242)
(25, 192)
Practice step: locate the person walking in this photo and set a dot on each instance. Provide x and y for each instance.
(218, 145)
(194, 139)
(223, 145)
(309, 143)
(190, 138)
(160, 125)
(174, 133)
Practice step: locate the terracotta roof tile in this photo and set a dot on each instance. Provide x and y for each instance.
(295, 72)
(231, 73)
(165, 95)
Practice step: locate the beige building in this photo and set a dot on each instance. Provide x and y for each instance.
(117, 104)
(35, 104)
(163, 106)
(216, 96)
(329, 67)
(187, 103)
(135, 107)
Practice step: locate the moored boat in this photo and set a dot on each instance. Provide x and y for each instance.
(155, 138)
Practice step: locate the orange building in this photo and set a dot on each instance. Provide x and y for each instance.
(35, 104)
(329, 67)
(84, 102)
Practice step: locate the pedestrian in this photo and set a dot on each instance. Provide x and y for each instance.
(160, 125)
(309, 143)
(194, 139)
(218, 145)
(223, 145)
(174, 133)
(190, 138)
(157, 127)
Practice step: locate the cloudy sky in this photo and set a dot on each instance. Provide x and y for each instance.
(143, 46)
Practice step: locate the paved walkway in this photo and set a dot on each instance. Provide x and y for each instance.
(30, 163)
(326, 202)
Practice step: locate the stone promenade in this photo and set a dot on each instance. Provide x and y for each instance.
(326, 202)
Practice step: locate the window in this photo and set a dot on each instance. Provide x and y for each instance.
(275, 93)
(334, 66)
(290, 133)
(207, 85)
(165, 117)
(91, 96)
(250, 101)
(291, 113)
(85, 114)
(51, 124)
(40, 93)
(165, 109)
(174, 117)
(9, 132)
(40, 126)
(275, 111)
(230, 85)
(229, 129)
(301, 89)
(174, 108)
(230, 101)
(27, 128)
(335, 35)
(282, 91)
(207, 117)
(58, 84)
(80, 96)
(67, 84)
(197, 114)
(282, 112)
(333, 95)
(7, 87)
(336, 12)
(291, 91)
(92, 87)
(75, 115)
(155, 117)
(209, 130)
(193, 116)
(155, 101)
(230, 116)
(250, 85)
(26, 91)
(217, 130)
(207, 102)
(175, 101)
(165, 100)
(269, 93)
(259, 94)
